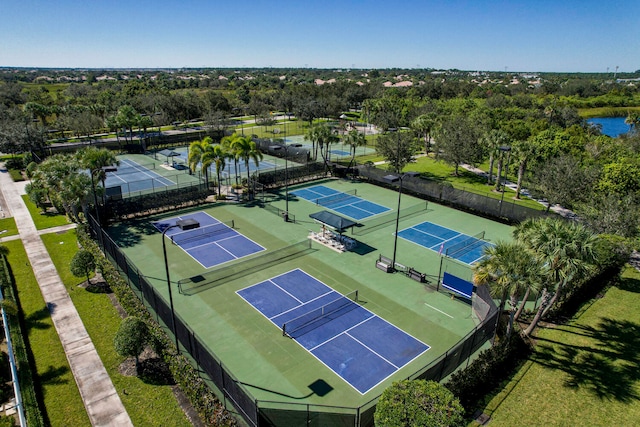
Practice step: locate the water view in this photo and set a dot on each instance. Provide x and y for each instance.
(611, 126)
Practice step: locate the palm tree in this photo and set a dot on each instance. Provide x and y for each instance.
(509, 270)
(565, 249)
(423, 125)
(217, 155)
(96, 160)
(246, 149)
(493, 141)
(354, 139)
(196, 151)
(633, 119)
(322, 136)
(230, 143)
(524, 151)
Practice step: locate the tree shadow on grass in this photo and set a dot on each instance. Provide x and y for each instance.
(608, 368)
(52, 375)
(629, 285)
(35, 319)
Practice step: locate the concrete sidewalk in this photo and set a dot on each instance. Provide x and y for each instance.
(100, 398)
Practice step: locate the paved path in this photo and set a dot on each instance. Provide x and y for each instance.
(100, 398)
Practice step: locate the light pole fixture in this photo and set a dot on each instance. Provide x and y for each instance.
(392, 179)
(185, 224)
(504, 149)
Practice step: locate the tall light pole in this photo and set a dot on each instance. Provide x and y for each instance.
(194, 224)
(504, 149)
(392, 179)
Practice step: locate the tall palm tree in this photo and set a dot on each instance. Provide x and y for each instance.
(322, 136)
(230, 145)
(493, 141)
(215, 154)
(96, 160)
(565, 249)
(354, 139)
(509, 270)
(247, 150)
(633, 119)
(423, 125)
(196, 151)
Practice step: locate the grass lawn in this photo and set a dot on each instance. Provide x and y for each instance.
(587, 113)
(8, 227)
(586, 372)
(55, 382)
(43, 220)
(147, 404)
(468, 181)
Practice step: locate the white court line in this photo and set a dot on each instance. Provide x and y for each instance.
(440, 311)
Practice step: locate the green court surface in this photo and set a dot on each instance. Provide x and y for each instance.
(273, 367)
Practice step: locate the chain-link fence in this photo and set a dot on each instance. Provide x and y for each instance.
(445, 194)
(256, 412)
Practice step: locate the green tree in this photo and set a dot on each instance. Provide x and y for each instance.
(509, 270)
(321, 136)
(562, 181)
(458, 141)
(230, 144)
(217, 155)
(423, 125)
(96, 160)
(83, 263)
(397, 148)
(418, 403)
(354, 139)
(127, 117)
(492, 142)
(131, 338)
(247, 150)
(565, 249)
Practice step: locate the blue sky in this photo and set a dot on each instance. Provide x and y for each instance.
(543, 35)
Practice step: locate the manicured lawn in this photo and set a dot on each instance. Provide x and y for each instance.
(62, 402)
(584, 373)
(468, 181)
(147, 404)
(43, 220)
(8, 227)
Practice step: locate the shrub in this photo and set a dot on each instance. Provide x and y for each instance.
(488, 371)
(131, 338)
(418, 403)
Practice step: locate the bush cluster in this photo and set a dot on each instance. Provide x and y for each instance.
(194, 387)
(487, 372)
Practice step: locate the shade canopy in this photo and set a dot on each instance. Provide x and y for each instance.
(333, 221)
(169, 153)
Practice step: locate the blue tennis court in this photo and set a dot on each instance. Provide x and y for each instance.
(213, 243)
(136, 177)
(465, 248)
(357, 345)
(346, 203)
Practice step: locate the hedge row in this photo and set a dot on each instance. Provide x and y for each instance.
(23, 357)
(203, 400)
(488, 371)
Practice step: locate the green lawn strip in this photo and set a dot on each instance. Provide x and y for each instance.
(61, 398)
(43, 220)
(587, 113)
(8, 227)
(466, 180)
(586, 372)
(147, 404)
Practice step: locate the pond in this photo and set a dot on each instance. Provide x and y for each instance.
(611, 126)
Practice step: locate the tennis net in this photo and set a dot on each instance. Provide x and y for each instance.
(304, 322)
(465, 244)
(202, 233)
(234, 271)
(382, 220)
(324, 201)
